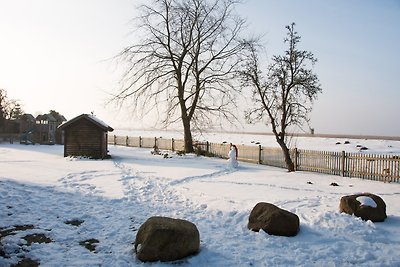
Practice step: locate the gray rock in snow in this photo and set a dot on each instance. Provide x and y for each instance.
(273, 220)
(166, 239)
(350, 205)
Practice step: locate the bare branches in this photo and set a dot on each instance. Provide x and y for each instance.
(186, 58)
(10, 109)
(284, 95)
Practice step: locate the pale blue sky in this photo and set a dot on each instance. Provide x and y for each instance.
(53, 51)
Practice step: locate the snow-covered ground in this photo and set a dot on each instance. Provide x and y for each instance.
(113, 197)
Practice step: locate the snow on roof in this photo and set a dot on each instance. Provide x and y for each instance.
(91, 118)
(97, 120)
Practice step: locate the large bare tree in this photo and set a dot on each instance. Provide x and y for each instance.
(184, 62)
(284, 95)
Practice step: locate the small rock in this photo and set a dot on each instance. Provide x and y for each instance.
(334, 184)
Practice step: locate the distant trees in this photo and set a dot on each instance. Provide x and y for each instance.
(285, 93)
(186, 60)
(10, 109)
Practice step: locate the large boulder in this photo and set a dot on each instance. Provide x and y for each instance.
(273, 220)
(367, 206)
(166, 239)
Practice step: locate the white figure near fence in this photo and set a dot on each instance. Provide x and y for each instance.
(232, 157)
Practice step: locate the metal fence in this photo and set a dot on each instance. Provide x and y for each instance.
(366, 166)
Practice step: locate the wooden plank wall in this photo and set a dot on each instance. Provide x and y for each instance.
(82, 139)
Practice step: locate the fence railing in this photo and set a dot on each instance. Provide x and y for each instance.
(366, 166)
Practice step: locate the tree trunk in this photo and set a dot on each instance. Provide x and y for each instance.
(187, 136)
(286, 153)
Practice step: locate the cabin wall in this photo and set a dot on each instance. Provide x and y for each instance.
(83, 138)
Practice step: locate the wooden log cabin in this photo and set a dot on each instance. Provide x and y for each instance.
(86, 136)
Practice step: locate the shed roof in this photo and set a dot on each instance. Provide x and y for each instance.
(101, 124)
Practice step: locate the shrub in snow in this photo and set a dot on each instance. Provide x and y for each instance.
(166, 239)
(367, 206)
(273, 220)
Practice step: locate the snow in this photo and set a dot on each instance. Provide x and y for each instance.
(366, 201)
(114, 197)
(351, 145)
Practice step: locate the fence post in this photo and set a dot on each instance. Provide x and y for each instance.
(342, 165)
(296, 155)
(259, 154)
(140, 141)
(115, 140)
(173, 144)
(155, 141)
(127, 141)
(208, 147)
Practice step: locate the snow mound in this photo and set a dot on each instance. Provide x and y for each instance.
(366, 201)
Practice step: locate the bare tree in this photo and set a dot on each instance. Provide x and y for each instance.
(184, 64)
(10, 109)
(284, 95)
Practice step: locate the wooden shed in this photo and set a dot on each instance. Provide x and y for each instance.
(85, 135)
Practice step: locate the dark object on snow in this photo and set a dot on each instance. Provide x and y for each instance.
(361, 147)
(166, 239)
(2, 253)
(338, 143)
(75, 222)
(310, 182)
(85, 136)
(346, 142)
(334, 184)
(90, 244)
(26, 262)
(155, 151)
(273, 220)
(350, 205)
(37, 238)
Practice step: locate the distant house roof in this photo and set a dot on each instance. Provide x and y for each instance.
(46, 117)
(101, 124)
(27, 117)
